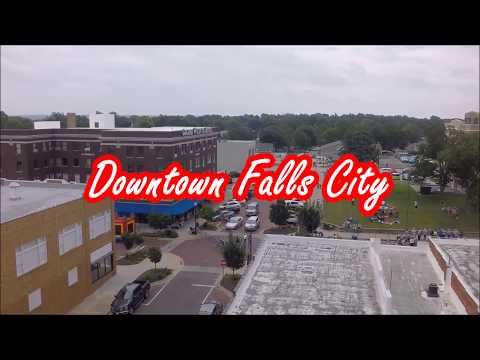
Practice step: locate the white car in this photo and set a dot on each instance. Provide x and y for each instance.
(230, 205)
(233, 223)
(252, 223)
(252, 209)
(294, 203)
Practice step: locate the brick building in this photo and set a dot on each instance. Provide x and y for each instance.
(67, 153)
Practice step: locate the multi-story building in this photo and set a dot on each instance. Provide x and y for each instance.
(232, 154)
(55, 248)
(68, 153)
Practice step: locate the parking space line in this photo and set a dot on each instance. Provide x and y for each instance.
(208, 294)
(153, 298)
(210, 286)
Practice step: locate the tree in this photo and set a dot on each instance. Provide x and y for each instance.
(309, 218)
(279, 213)
(273, 135)
(159, 221)
(234, 254)
(361, 144)
(206, 212)
(424, 168)
(436, 138)
(155, 255)
(128, 241)
(444, 175)
(301, 139)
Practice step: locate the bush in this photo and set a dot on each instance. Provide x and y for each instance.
(153, 275)
(279, 213)
(159, 221)
(169, 233)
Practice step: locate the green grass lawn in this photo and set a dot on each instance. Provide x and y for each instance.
(428, 214)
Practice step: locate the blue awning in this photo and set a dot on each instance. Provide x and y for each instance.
(174, 208)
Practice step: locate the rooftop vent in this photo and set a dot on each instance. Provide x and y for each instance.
(14, 192)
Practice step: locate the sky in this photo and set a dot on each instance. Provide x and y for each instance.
(418, 81)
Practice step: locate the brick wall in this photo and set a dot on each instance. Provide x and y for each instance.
(470, 306)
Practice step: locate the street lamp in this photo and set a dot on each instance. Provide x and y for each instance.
(195, 204)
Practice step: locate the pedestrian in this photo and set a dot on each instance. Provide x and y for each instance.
(415, 203)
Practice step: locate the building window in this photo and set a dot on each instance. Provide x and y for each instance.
(19, 166)
(77, 178)
(197, 163)
(88, 163)
(191, 147)
(64, 146)
(64, 162)
(209, 159)
(45, 163)
(35, 164)
(130, 151)
(31, 255)
(19, 148)
(44, 144)
(50, 145)
(70, 238)
(34, 299)
(35, 148)
(176, 150)
(72, 276)
(100, 224)
(58, 162)
(87, 147)
(76, 162)
(203, 161)
(140, 151)
(101, 267)
(51, 162)
(191, 164)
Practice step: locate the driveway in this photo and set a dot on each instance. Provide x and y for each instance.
(182, 295)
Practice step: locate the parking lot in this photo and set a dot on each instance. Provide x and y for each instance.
(183, 295)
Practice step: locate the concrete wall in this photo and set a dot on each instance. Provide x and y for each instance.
(232, 154)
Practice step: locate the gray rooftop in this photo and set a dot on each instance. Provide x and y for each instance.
(295, 275)
(34, 197)
(465, 255)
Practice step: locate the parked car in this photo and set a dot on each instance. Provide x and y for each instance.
(130, 297)
(292, 220)
(252, 209)
(252, 223)
(294, 204)
(227, 214)
(231, 205)
(211, 308)
(318, 232)
(233, 223)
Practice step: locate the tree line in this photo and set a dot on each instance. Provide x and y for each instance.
(300, 131)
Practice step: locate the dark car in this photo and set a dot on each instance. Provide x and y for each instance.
(211, 308)
(130, 297)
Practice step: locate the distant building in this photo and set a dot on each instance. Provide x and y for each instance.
(102, 121)
(55, 248)
(232, 154)
(264, 147)
(468, 125)
(38, 125)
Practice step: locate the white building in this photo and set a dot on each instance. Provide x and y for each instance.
(232, 154)
(102, 121)
(46, 124)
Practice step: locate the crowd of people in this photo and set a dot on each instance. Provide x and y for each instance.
(413, 236)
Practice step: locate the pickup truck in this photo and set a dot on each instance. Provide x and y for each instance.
(130, 297)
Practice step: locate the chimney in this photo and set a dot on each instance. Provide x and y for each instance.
(71, 120)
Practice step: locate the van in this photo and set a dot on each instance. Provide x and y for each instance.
(252, 209)
(252, 223)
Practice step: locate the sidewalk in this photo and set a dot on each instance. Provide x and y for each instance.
(99, 302)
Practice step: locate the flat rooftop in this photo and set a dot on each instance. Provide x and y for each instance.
(160, 128)
(465, 256)
(34, 197)
(298, 275)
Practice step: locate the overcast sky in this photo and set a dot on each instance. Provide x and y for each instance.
(407, 80)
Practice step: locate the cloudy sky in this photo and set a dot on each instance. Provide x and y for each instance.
(408, 80)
